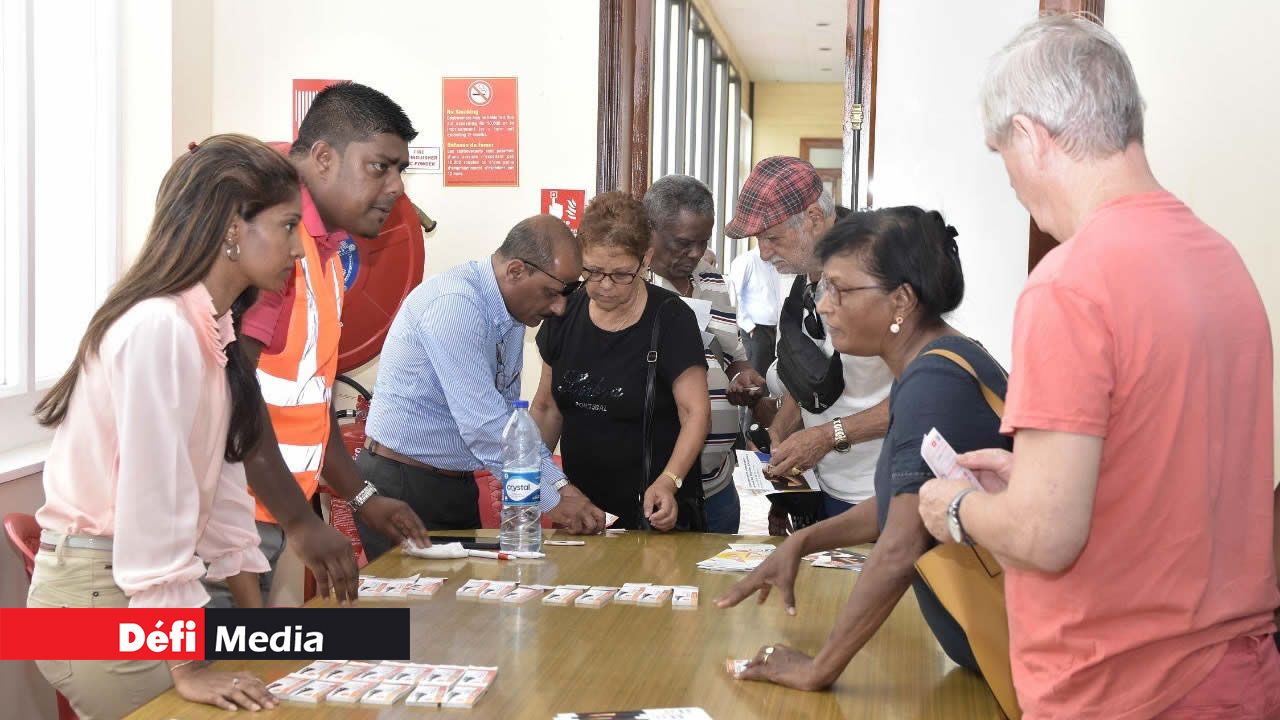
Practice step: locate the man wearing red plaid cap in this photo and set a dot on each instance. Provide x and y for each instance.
(835, 411)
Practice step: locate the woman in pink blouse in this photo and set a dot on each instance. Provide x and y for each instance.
(144, 488)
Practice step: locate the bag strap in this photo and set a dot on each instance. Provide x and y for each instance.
(651, 361)
(994, 401)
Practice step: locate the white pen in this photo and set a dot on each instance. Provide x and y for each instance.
(514, 555)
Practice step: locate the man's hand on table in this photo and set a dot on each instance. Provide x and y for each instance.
(329, 556)
(394, 520)
(576, 514)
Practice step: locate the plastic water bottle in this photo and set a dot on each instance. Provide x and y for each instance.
(521, 483)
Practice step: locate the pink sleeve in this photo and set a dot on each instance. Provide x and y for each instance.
(155, 386)
(230, 540)
(268, 320)
(1063, 364)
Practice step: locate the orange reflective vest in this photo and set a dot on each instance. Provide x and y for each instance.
(298, 381)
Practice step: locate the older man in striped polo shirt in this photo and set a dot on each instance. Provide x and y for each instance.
(682, 213)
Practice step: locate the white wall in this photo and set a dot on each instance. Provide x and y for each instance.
(1208, 75)
(404, 48)
(930, 150)
(551, 46)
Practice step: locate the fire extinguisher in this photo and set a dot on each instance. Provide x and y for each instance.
(353, 432)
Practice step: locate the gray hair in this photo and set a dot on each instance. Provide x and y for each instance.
(825, 203)
(673, 193)
(534, 239)
(1069, 74)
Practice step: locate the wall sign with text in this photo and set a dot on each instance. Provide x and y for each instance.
(424, 159)
(481, 132)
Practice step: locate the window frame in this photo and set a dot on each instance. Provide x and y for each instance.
(20, 387)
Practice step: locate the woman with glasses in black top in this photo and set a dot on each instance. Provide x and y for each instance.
(596, 379)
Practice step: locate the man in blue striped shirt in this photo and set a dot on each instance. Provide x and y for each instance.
(449, 373)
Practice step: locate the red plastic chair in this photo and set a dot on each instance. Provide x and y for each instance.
(491, 498)
(24, 535)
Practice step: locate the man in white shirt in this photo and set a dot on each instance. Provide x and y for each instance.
(836, 410)
(756, 287)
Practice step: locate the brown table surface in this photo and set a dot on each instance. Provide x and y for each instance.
(621, 657)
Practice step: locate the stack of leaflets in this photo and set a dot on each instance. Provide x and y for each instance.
(740, 557)
(842, 559)
(415, 586)
(426, 685)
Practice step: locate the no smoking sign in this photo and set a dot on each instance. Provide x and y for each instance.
(480, 93)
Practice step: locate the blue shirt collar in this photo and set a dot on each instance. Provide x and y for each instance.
(495, 307)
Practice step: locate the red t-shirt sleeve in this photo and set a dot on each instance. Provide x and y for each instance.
(268, 320)
(1063, 374)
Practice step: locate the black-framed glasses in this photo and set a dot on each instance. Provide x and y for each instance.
(569, 287)
(826, 287)
(618, 278)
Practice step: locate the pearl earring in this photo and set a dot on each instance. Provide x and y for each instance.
(896, 327)
(233, 252)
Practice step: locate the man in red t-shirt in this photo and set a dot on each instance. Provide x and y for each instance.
(1135, 515)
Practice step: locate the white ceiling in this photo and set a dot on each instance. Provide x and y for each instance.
(779, 40)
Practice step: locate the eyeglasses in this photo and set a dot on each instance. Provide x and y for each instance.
(618, 278)
(826, 287)
(569, 287)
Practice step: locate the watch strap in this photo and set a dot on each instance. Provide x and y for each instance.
(841, 439)
(362, 497)
(953, 517)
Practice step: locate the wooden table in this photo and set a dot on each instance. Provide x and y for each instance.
(562, 659)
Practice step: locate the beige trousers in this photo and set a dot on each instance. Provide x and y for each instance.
(96, 689)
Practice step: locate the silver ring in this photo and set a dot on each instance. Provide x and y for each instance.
(236, 681)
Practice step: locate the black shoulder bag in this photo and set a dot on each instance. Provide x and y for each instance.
(689, 500)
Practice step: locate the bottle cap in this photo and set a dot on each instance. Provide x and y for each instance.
(522, 404)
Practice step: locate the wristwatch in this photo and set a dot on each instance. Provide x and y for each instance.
(842, 441)
(679, 481)
(953, 519)
(559, 484)
(362, 497)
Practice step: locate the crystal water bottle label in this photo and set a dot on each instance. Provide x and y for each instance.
(521, 487)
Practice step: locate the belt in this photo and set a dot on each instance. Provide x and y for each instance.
(50, 540)
(382, 451)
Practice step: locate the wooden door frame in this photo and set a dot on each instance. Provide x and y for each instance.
(622, 120)
(623, 98)
(622, 124)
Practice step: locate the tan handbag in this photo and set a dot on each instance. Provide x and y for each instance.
(969, 583)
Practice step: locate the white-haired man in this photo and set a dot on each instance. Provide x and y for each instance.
(836, 410)
(1135, 514)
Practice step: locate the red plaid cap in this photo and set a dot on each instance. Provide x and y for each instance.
(777, 188)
